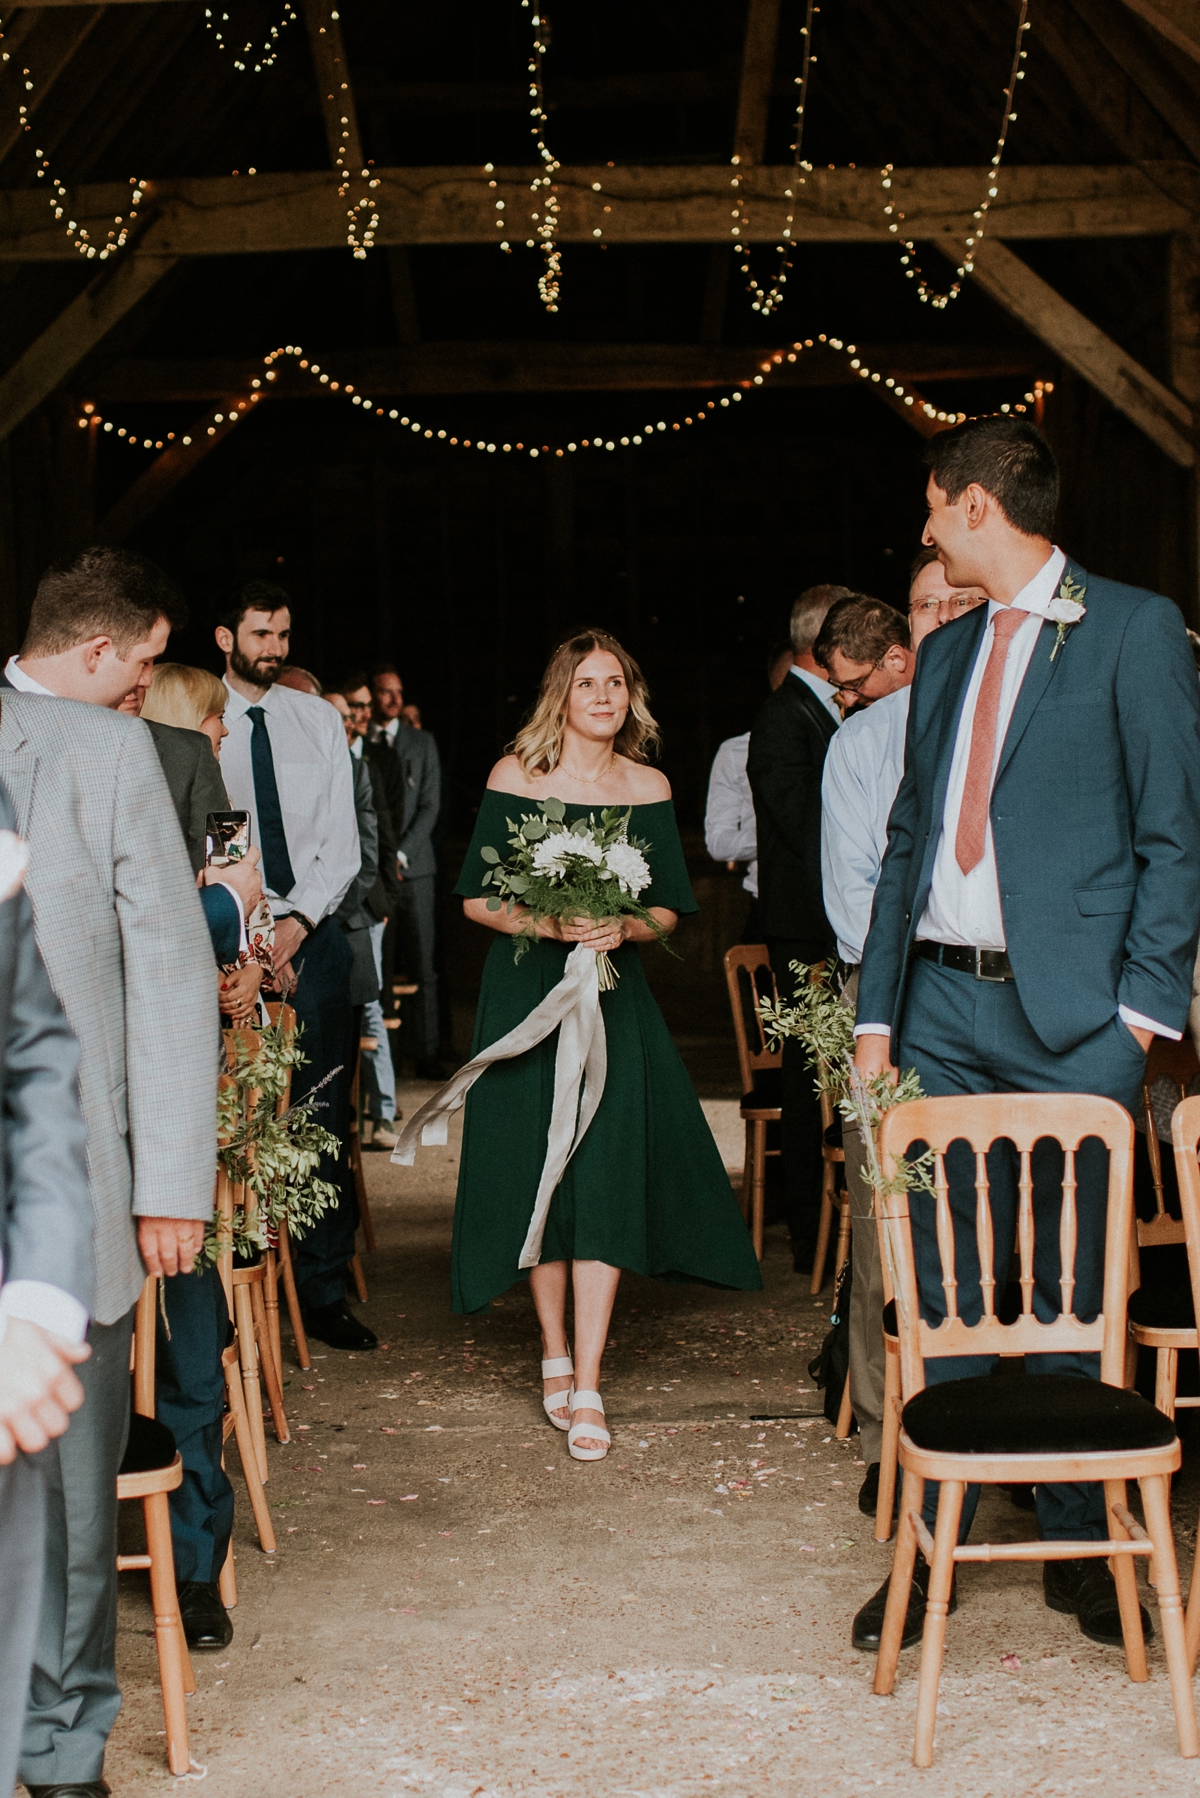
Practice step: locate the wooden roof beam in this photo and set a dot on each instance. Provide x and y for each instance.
(231, 215)
(1164, 417)
(754, 91)
(333, 84)
(1176, 20)
(77, 329)
(55, 47)
(1156, 72)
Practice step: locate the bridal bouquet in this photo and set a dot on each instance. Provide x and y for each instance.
(565, 871)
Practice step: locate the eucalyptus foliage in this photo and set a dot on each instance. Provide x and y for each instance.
(274, 1158)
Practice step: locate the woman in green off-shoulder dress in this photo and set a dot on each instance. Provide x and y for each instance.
(645, 1189)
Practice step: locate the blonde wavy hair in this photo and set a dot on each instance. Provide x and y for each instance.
(538, 744)
(184, 697)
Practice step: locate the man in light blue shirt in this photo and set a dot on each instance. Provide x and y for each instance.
(730, 834)
(870, 651)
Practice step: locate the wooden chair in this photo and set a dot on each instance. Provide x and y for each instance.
(354, 1149)
(1162, 1315)
(152, 1467)
(279, 1259)
(949, 1433)
(759, 1069)
(1185, 1136)
(833, 1156)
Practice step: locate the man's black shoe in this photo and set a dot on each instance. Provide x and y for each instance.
(337, 1325)
(1087, 1590)
(1023, 1497)
(74, 1788)
(868, 1625)
(868, 1493)
(206, 1622)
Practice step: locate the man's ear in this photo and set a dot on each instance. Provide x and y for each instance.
(976, 500)
(224, 638)
(94, 651)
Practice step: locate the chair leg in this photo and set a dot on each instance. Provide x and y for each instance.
(271, 1303)
(824, 1228)
(904, 1560)
(1166, 1380)
(293, 1300)
(251, 1384)
(843, 1241)
(747, 1171)
(1125, 1577)
(266, 1361)
(758, 1191)
(249, 1458)
(173, 1669)
(890, 1447)
(1193, 1608)
(1156, 1503)
(227, 1581)
(933, 1641)
(845, 1416)
(360, 1284)
(368, 1224)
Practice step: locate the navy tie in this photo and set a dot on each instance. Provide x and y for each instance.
(277, 864)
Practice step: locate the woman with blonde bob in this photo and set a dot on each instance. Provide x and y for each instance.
(189, 699)
(645, 1189)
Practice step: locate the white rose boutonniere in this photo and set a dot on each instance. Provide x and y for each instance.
(1065, 610)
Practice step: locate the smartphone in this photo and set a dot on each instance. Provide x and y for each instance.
(227, 837)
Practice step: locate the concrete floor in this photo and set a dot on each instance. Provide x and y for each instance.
(446, 1614)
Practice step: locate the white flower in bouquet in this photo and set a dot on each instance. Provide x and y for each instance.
(551, 856)
(629, 866)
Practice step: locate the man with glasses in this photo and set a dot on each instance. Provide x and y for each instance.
(870, 651)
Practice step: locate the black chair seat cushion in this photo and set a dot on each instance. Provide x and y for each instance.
(151, 1446)
(767, 1092)
(1167, 1307)
(1041, 1414)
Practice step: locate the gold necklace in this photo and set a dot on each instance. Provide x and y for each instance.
(595, 780)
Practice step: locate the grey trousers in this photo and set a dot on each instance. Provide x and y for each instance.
(73, 1693)
(22, 1533)
(415, 927)
(867, 1357)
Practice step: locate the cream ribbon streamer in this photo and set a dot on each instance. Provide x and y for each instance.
(581, 1062)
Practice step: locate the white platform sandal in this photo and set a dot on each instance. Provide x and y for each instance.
(558, 1401)
(587, 1401)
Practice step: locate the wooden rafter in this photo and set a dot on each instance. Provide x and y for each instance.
(77, 330)
(1101, 84)
(1162, 415)
(1176, 20)
(333, 84)
(56, 45)
(171, 467)
(527, 368)
(754, 90)
(203, 216)
(1154, 70)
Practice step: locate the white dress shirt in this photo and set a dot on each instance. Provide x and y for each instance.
(824, 690)
(863, 766)
(965, 908)
(729, 826)
(24, 683)
(316, 794)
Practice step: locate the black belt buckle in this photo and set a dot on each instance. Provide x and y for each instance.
(987, 958)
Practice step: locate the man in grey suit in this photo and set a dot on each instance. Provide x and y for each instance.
(416, 928)
(46, 1274)
(120, 929)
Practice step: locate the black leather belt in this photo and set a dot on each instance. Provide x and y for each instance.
(985, 964)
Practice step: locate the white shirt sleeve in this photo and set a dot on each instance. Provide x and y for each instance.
(729, 826)
(37, 1302)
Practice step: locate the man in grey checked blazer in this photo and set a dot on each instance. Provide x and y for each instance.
(119, 926)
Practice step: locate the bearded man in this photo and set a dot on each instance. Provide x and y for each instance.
(285, 762)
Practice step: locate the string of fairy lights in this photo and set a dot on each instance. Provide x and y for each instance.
(232, 412)
(546, 208)
(249, 60)
(766, 299)
(893, 212)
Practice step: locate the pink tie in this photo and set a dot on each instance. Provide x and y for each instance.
(977, 789)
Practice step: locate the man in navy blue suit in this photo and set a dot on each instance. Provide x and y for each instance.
(1037, 911)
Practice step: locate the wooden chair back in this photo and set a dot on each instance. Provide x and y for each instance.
(1178, 1063)
(748, 976)
(1022, 1119)
(1185, 1139)
(145, 1347)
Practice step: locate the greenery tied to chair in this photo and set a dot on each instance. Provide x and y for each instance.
(271, 1159)
(819, 1020)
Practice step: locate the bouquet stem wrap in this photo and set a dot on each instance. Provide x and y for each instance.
(580, 1066)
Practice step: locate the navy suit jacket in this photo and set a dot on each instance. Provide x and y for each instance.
(1095, 817)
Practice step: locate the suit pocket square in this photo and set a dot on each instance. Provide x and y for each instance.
(1097, 902)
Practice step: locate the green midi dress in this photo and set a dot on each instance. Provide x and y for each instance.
(645, 1190)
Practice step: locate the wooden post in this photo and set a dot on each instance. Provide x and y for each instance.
(1183, 291)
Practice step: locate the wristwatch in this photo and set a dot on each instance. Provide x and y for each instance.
(300, 918)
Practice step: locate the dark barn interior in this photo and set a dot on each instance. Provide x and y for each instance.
(462, 565)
